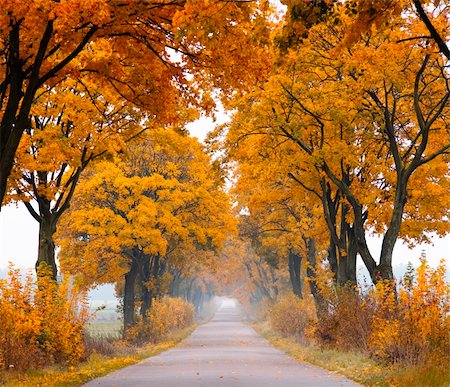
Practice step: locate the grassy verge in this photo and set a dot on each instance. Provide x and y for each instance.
(96, 366)
(357, 366)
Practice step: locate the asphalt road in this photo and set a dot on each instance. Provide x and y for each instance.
(223, 352)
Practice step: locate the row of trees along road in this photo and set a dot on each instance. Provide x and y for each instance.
(339, 130)
(81, 80)
(149, 217)
(347, 137)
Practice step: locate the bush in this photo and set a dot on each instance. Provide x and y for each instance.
(164, 316)
(292, 316)
(41, 323)
(103, 345)
(348, 321)
(408, 324)
(413, 325)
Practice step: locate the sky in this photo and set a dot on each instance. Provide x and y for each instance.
(19, 231)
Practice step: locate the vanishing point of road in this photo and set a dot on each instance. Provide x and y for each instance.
(223, 352)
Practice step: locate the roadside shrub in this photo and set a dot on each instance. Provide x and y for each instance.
(413, 325)
(292, 316)
(348, 321)
(41, 322)
(407, 322)
(164, 316)
(103, 345)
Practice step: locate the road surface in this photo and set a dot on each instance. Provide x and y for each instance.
(223, 352)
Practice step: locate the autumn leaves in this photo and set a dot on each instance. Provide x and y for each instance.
(81, 81)
(154, 211)
(343, 136)
(339, 130)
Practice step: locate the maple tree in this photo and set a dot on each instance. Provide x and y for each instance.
(67, 132)
(140, 49)
(133, 216)
(109, 89)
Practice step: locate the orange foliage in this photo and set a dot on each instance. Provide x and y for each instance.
(42, 323)
(414, 325)
(410, 325)
(165, 315)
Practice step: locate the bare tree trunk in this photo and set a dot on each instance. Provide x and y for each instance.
(295, 262)
(319, 301)
(129, 296)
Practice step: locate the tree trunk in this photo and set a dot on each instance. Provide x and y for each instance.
(197, 298)
(295, 262)
(352, 252)
(189, 295)
(46, 251)
(174, 288)
(332, 258)
(146, 296)
(129, 297)
(384, 269)
(319, 301)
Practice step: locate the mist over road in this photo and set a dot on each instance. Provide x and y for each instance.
(223, 352)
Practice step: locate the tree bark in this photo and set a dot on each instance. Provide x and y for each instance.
(47, 228)
(129, 297)
(319, 301)
(295, 262)
(352, 252)
(46, 251)
(146, 296)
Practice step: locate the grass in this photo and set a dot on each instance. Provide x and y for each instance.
(358, 366)
(105, 328)
(96, 366)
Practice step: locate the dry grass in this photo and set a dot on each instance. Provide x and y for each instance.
(96, 365)
(358, 366)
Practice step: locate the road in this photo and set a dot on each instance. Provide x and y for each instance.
(223, 352)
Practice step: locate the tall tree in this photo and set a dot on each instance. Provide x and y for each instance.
(131, 217)
(67, 132)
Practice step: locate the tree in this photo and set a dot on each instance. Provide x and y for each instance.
(133, 216)
(67, 132)
(278, 219)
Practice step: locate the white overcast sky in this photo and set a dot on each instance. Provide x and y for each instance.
(19, 231)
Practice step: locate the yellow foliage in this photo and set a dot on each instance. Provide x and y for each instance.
(42, 323)
(164, 316)
(413, 325)
(410, 324)
(162, 197)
